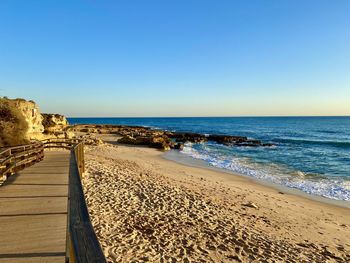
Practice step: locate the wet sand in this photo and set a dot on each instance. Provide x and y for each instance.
(148, 209)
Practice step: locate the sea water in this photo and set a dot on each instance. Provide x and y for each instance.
(311, 154)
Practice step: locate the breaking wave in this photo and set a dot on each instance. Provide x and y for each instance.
(335, 188)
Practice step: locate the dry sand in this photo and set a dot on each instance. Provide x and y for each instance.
(148, 209)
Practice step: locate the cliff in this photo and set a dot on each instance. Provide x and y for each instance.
(13, 125)
(21, 122)
(55, 125)
(54, 122)
(32, 116)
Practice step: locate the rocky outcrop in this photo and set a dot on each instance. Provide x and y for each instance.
(28, 123)
(56, 125)
(54, 122)
(91, 139)
(187, 137)
(160, 139)
(236, 141)
(31, 113)
(162, 142)
(153, 141)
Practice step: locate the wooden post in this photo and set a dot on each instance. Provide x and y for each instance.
(71, 251)
(82, 157)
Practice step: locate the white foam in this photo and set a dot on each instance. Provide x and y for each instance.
(327, 187)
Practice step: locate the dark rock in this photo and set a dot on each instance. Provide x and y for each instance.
(143, 140)
(237, 141)
(84, 130)
(188, 137)
(179, 146)
(137, 135)
(161, 142)
(127, 140)
(227, 139)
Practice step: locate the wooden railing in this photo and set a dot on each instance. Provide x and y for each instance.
(79, 157)
(60, 143)
(83, 245)
(82, 242)
(14, 159)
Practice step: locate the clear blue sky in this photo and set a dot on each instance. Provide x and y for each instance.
(177, 58)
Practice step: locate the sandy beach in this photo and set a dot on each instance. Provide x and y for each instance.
(145, 208)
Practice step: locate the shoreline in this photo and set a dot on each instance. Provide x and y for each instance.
(177, 157)
(325, 189)
(175, 203)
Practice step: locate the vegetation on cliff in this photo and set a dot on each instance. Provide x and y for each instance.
(13, 126)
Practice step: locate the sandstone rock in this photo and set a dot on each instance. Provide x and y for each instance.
(54, 123)
(166, 148)
(98, 141)
(69, 134)
(92, 141)
(39, 126)
(161, 142)
(31, 113)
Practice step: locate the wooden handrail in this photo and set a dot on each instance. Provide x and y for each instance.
(83, 243)
(60, 143)
(16, 158)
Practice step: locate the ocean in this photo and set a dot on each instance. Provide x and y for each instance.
(311, 154)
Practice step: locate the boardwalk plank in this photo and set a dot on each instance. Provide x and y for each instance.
(42, 178)
(33, 212)
(33, 190)
(33, 234)
(34, 260)
(17, 206)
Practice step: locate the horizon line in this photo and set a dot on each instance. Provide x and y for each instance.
(238, 116)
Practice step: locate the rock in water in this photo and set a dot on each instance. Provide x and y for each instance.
(159, 139)
(179, 146)
(187, 137)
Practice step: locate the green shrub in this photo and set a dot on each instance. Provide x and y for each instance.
(13, 126)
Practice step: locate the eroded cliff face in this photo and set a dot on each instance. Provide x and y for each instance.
(33, 117)
(54, 122)
(56, 125)
(21, 122)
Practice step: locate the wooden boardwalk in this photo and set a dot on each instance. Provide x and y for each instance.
(33, 211)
